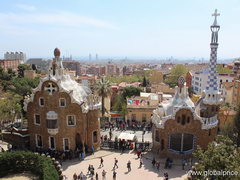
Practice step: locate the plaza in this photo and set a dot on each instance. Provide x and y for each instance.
(145, 172)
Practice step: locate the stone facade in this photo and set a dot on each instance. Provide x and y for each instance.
(62, 115)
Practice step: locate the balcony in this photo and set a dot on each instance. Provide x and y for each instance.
(53, 131)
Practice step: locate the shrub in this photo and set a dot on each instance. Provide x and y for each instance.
(19, 161)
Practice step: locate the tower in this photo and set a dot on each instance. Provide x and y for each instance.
(212, 95)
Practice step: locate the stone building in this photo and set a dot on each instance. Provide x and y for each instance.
(181, 125)
(62, 114)
(140, 108)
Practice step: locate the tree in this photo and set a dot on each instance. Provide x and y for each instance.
(131, 91)
(103, 89)
(10, 107)
(144, 83)
(237, 126)
(22, 68)
(221, 155)
(223, 70)
(176, 72)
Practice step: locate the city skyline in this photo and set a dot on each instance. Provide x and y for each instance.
(118, 29)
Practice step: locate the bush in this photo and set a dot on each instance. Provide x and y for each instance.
(20, 161)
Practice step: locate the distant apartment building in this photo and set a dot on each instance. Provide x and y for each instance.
(199, 80)
(236, 93)
(10, 64)
(40, 63)
(102, 70)
(15, 56)
(72, 66)
(156, 77)
(87, 80)
(140, 108)
(162, 87)
(111, 69)
(93, 70)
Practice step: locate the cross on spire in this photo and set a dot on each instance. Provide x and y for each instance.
(215, 20)
(50, 88)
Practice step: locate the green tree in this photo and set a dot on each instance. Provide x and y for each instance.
(131, 91)
(103, 89)
(10, 107)
(144, 83)
(176, 72)
(223, 70)
(22, 68)
(221, 155)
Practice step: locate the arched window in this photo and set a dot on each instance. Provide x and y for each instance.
(188, 119)
(162, 144)
(181, 142)
(183, 119)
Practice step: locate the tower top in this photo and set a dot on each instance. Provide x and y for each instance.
(57, 52)
(215, 20)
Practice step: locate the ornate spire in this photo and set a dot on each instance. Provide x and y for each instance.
(56, 67)
(212, 92)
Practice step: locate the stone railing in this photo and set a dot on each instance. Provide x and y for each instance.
(53, 131)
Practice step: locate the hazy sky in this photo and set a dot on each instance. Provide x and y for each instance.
(132, 28)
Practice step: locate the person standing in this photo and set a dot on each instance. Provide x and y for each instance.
(104, 175)
(129, 166)
(114, 175)
(101, 162)
(115, 163)
(81, 175)
(96, 176)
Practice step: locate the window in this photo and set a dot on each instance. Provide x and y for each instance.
(41, 101)
(181, 142)
(39, 142)
(183, 119)
(209, 132)
(66, 145)
(133, 117)
(188, 119)
(52, 123)
(37, 119)
(52, 143)
(95, 139)
(162, 144)
(71, 121)
(62, 102)
(144, 117)
(178, 119)
(157, 137)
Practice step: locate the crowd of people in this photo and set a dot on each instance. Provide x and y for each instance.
(95, 176)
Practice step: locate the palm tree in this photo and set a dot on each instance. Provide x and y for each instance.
(103, 89)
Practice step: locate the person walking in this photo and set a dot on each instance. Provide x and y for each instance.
(114, 175)
(96, 176)
(89, 169)
(81, 175)
(165, 176)
(101, 162)
(129, 166)
(158, 165)
(104, 175)
(183, 164)
(141, 162)
(153, 162)
(115, 163)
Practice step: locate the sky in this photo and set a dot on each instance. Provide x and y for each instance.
(119, 28)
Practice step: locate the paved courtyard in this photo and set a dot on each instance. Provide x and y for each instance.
(147, 172)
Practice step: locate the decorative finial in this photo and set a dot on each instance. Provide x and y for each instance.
(57, 52)
(181, 81)
(215, 20)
